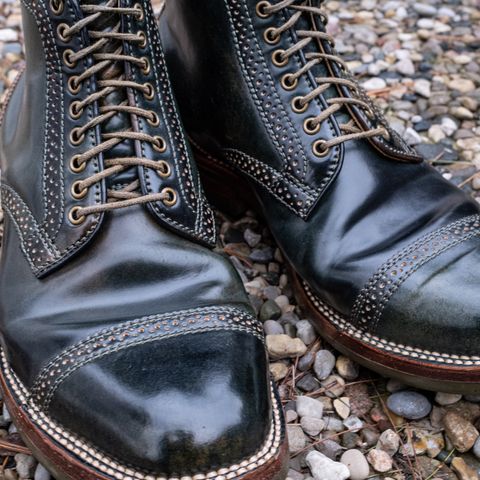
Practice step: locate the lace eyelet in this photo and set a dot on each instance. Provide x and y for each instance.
(67, 58)
(155, 120)
(297, 106)
(76, 138)
(319, 149)
(76, 167)
(74, 218)
(271, 36)
(172, 197)
(76, 192)
(279, 59)
(146, 66)
(57, 6)
(165, 171)
(61, 33)
(160, 145)
(289, 82)
(149, 92)
(142, 39)
(75, 111)
(309, 127)
(71, 85)
(140, 14)
(260, 9)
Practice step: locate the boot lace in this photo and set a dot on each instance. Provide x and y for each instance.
(272, 35)
(107, 51)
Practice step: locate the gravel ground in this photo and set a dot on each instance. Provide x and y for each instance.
(421, 61)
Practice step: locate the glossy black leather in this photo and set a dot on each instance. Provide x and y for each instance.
(188, 397)
(375, 206)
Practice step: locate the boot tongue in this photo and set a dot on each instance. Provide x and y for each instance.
(108, 22)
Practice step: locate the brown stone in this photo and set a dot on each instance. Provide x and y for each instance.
(463, 471)
(460, 431)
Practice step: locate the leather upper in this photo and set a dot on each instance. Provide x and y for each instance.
(354, 211)
(127, 331)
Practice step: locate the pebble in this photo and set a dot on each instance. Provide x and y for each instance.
(375, 83)
(412, 137)
(334, 386)
(462, 85)
(447, 398)
(271, 327)
(323, 468)
(425, 10)
(379, 460)
(26, 465)
(306, 332)
(41, 473)
(324, 364)
(270, 311)
(410, 405)
(312, 426)
(278, 370)
(460, 431)
(296, 438)
(389, 442)
(353, 423)
(464, 471)
(342, 407)
(309, 407)
(283, 346)
(356, 463)
(476, 448)
(423, 87)
(347, 368)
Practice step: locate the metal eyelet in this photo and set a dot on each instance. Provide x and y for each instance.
(74, 218)
(172, 197)
(289, 82)
(260, 9)
(271, 36)
(67, 60)
(164, 171)
(143, 39)
(61, 32)
(75, 111)
(76, 167)
(78, 193)
(71, 85)
(160, 145)
(76, 138)
(57, 6)
(155, 120)
(141, 14)
(150, 92)
(310, 127)
(146, 66)
(279, 59)
(319, 148)
(297, 105)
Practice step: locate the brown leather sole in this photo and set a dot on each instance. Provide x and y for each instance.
(75, 462)
(422, 369)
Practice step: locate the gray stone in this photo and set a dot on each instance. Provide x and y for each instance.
(447, 398)
(41, 473)
(306, 332)
(356, 463)
(270, 311)
(410, 405)
(425, 10)
(272, 327)
(252, 238)
(347, 368)
(389, 442)
(330, 448)
(324, 364)
(312, 426)
(334, 386)
(309, 407)
(297, 440)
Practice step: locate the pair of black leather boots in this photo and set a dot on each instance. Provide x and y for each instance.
(129, 349)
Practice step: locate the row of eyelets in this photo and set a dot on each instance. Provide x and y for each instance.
(289, 82)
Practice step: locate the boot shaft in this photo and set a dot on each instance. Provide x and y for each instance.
(92, 126)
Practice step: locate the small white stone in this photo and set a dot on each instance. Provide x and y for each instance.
(309, 407)
(342, 407)
(357, 464)
(323, 468)
(447, 398)
(375, 83)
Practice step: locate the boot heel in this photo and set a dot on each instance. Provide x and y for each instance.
(225, 189)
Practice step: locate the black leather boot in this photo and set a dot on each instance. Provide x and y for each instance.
(384, 252)
(129, 349)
